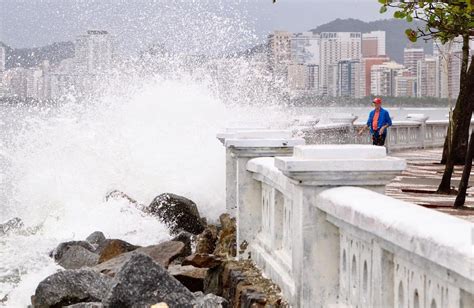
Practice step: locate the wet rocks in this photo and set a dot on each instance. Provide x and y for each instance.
(96, 238)
(62, 248)
(191, 277)
(162, 254)
(75, 257)
(86, 305)
(206, 241)
(10, 226)
(70, 287)
(141, 282)
(187, 239)
(210, 301)
(177, 212)
(111, 248)
(227, 242)
(202, 260)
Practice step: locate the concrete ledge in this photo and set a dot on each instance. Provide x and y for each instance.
(440, 238)
(254, 143)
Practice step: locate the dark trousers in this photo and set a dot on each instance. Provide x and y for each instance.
(378, 139)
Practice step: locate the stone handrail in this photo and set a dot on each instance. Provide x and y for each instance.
(415, 132)
(353, 247)
(329, 245)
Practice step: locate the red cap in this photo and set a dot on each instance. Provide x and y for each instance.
(377, 100)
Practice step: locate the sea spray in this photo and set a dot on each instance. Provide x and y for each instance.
(159, 139)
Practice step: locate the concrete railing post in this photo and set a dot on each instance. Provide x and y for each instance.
(313, 169)
(420, 118)
(243, 193)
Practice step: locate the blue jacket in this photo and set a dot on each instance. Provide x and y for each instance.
(384, 119)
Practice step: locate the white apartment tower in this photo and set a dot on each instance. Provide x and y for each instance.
(305, 48)
(405, 84)
(94, 52)
(411, 56)
(280, 47)
(450, 72)
(373, 44)
(428, 77)
(3, 57)
(383, 82)
(450, 61)
(336, 46)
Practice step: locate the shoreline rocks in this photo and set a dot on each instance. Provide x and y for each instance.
(71, 287)
(196, 269)
(177, 212)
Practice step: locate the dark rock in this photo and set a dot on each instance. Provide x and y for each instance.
(58, 252)
(162, 254)
(87, 305)
(209, 301)
(206, 241)
(71, 287)
(11, 225)
(177, 212)
(141, 282)
(111, 248)
(202, 260)
(187, 239)
(227, 242)
(191, 277)
(96, 238)
(76, 257)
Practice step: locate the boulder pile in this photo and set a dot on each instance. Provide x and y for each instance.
(197, 268)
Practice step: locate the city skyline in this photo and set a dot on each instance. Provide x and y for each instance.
(38, 23)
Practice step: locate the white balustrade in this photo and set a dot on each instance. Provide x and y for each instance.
(329, 245)
(241, 146)
(415, 132)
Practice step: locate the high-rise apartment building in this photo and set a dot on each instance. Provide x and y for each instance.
(302, 77)
(450, 72)
(297, 77)
(279, 47)
(94, 52)
(3, 57)
(349, 78)
(336, 46)
(405, 84)
(313, 78)
(305, 48)
(440, 49)
(373, 44)
(428, 77)
(365, 73)
(450, 61)
(34, 83)
(383, 78)
(411, 56)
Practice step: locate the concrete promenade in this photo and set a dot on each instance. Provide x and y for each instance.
(418, 183)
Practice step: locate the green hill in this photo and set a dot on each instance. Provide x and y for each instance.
(396, 40)
(30, 57)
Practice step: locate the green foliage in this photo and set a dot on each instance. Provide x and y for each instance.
(444, 20)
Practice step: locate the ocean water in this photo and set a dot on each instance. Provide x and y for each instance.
(58, 164)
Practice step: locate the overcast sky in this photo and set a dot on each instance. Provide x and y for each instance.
(139, 23)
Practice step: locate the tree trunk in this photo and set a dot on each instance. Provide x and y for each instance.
(457, 138)
(460, 134)
(461, 197)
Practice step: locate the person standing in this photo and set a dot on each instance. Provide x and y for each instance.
(378, 122)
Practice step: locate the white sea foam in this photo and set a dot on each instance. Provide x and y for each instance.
(161, 138)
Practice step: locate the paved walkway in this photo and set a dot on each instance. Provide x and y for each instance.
(419, 182)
